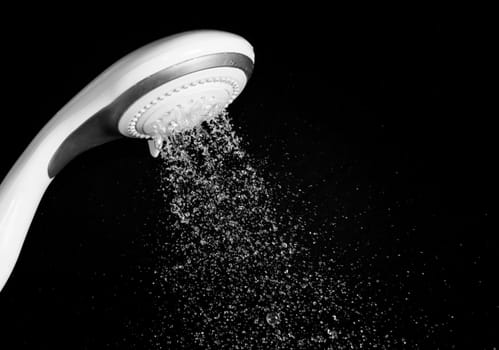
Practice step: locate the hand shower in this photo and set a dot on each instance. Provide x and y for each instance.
(169, 85)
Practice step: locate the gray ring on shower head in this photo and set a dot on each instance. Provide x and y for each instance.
(103, 125)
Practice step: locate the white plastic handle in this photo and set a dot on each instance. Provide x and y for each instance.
(24, 186)
(20, 194)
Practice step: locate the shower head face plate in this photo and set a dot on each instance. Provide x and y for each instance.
(182, 103)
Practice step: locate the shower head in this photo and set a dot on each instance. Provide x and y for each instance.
(169, 85)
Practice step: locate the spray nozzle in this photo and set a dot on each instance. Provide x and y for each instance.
(180, 118)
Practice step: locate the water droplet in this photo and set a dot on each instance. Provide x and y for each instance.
(273, 319)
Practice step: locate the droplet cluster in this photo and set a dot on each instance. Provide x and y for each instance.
(239, 268)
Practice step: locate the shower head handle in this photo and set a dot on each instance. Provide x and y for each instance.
(159, 84)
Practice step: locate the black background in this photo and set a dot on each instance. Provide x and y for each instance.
(358, 109)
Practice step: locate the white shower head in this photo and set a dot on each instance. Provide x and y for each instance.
(167, 86)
